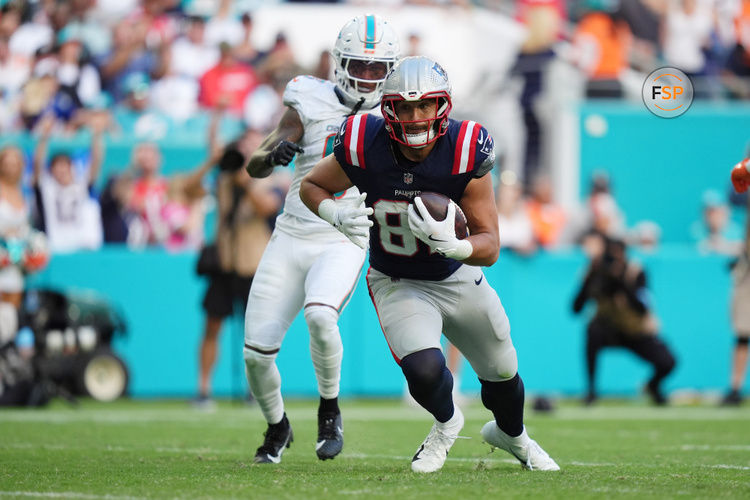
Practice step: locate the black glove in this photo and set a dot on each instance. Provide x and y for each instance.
(282, 153)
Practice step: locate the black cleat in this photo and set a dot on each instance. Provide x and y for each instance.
(330, 435)
(655, 394)
(590, 398)
(277, 438)
(733, 398)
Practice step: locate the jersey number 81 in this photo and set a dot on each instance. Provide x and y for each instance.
(395, 235)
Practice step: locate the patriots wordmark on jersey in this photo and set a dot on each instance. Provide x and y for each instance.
(374, 165)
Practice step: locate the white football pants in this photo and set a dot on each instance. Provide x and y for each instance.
(317, 274)
(414, 313)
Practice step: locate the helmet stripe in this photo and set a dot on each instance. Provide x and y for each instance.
(369, 32)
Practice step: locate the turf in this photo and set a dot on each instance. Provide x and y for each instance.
(155, 449)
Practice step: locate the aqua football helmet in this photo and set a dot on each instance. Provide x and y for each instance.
(366, 49)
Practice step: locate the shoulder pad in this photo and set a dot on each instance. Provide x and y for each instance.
(299, 89)
(354, 137)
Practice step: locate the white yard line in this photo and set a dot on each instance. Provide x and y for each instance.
(713, 447)
(239, 416)
(64, 494)
(726, 466)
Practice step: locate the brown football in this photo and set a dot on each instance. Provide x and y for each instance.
(437, 205)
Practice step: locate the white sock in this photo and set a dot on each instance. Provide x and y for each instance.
(453, 422)
(520, 440)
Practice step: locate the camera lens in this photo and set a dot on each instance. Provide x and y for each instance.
(232, 159)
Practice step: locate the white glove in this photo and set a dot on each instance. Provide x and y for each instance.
(349, 217)
(439, 235)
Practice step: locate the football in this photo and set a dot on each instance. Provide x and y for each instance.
(437, 205)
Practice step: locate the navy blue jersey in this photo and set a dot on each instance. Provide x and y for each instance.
(373, 163)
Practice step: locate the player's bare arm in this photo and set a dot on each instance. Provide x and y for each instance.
(99, 124)
(42, 147)
(278, 147)
(326, 178)
(478, 204)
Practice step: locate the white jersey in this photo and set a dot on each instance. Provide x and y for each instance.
(321, 113)
(72, 218)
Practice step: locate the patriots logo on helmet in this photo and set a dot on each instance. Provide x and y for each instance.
(489, 145)
(439, 70)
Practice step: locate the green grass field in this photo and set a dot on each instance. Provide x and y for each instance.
(156, 449)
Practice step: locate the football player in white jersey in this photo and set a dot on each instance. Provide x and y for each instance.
(308, 264)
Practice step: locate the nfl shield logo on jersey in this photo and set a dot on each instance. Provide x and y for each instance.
(408, 178)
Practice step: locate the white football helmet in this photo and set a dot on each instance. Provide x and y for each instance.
(416, 79)
(366, 49)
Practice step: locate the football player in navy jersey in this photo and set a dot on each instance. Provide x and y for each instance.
(308, 265)
(422, 278)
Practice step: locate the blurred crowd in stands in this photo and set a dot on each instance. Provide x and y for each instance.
(532, 222)
(142, 67)
(169, 58)
(148, 64)
(707, 39)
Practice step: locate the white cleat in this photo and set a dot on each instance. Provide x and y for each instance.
(431, 456)
(525, 449)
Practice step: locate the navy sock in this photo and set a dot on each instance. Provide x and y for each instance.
(430, 382)
(505, 401)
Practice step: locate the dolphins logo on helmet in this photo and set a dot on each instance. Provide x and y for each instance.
(366, 49)
(416, 79)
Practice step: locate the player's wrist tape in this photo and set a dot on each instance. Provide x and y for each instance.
(327, 211)
(461, 251)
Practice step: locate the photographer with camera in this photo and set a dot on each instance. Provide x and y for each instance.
(246, 212)
(623, 316)
(740, 296)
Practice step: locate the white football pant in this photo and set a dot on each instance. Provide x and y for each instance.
(414, 313)
(317, 274)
